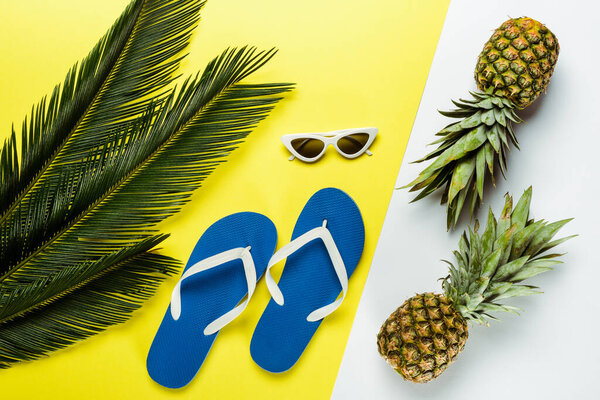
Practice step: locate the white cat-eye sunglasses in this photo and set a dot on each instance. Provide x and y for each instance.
(350, 143)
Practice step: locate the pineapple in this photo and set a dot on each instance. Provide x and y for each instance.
(513, 69)
(424, 335)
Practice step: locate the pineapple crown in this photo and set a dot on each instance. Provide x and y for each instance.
(491, 266)
(467, 150)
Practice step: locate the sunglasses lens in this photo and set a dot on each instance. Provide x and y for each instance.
(308, 148)
(352, 144)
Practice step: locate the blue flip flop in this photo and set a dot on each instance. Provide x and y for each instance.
(223, 268)
(326, 245)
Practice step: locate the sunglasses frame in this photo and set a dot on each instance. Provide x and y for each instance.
(329, 138)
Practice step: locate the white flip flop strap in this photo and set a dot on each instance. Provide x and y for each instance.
(338, 264)
(212, 262)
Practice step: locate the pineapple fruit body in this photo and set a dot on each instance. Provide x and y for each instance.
(422, 337)
(518, 60)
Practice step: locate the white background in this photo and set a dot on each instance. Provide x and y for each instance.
(551, 350)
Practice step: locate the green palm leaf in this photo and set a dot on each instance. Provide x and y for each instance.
(104, 293)
(76, 249)
(122, 74)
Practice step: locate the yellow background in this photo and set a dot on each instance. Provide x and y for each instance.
(355, 63)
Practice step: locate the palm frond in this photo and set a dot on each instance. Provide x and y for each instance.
(79, 305)
(123, 73)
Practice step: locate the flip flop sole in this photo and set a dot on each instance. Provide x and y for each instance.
(180, 347)
(308, 280)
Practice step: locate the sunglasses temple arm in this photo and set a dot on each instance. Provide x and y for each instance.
(368, 153)
(291, 157)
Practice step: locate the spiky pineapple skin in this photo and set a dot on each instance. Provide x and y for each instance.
(422, 337)
(518, 61)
